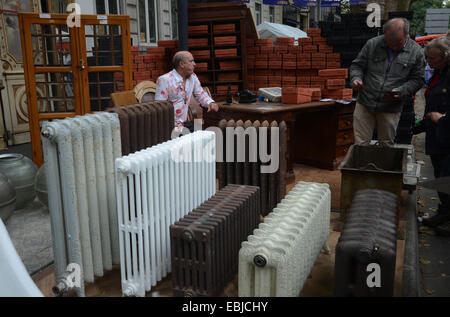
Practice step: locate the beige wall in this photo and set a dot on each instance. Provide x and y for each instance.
(13, 96)
(164, 16)
(265, 12)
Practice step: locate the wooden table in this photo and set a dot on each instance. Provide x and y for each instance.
(319, 133)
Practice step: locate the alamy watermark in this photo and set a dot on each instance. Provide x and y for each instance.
(374, 278)
(73, 278)
(374, 18)
(74, 18)
(235, 138)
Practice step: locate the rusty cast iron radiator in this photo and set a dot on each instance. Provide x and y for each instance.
(369, 237)
(246, 169)
(156, 187)
(145, 124)
(79, 154)
(277, 259)
(205, 243)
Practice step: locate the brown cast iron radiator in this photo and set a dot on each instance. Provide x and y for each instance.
(205, 243)
(367, 246)
(248, 171)
(145, 124)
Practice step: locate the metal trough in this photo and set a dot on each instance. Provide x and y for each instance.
(371, 167)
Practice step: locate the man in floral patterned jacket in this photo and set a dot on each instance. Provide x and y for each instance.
(179, 85)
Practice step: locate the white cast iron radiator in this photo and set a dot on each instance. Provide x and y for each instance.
(79, 154)
(156, 187)
(277, 259)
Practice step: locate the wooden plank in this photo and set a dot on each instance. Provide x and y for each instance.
(56, 115)
(52, 69)
(30, 82)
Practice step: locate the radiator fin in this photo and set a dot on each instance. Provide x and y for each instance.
(79, 153)
(369, 236)
(144, 125)
(211, 235)
(247, 171)
(279, 255)
(156, 187)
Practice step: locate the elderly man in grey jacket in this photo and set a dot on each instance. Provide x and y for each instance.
(389, 69)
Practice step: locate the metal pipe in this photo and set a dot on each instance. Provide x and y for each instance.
(49, 134)
(82, 200)
(55, 206)
(100, 174)
(92, 196)
(112, 144)
(65, 156)
(182, 25)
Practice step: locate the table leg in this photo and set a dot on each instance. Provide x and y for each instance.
(290, 176)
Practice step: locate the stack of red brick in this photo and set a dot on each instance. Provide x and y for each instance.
(310, 64)
(156, 61)
(300, 95)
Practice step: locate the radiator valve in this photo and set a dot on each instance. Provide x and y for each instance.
(60, 288)
(48, 132)
(129, 291)
(260, 260)
(188, 235)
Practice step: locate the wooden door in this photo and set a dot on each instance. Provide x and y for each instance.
(58, 63)
(106, 56)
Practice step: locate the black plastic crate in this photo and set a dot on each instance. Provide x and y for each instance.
(338, 40)
(409, 15)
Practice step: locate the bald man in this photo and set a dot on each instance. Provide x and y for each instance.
(179, 85)
(388, 71)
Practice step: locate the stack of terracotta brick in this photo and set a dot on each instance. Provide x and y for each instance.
(154, 63)
(310, 64)
(293, 95)
(335, 83)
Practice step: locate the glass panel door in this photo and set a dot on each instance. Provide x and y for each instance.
(72, 71)
(106, 47)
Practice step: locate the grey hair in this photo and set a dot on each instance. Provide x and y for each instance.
(177, 59)
(406, 25)
(442, 44)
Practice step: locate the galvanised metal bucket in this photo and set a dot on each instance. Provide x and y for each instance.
(7, 198)
(21, 171)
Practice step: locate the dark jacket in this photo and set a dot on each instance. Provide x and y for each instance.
(438, 100)
(407, 73)
(443, 137)
(443, 131)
